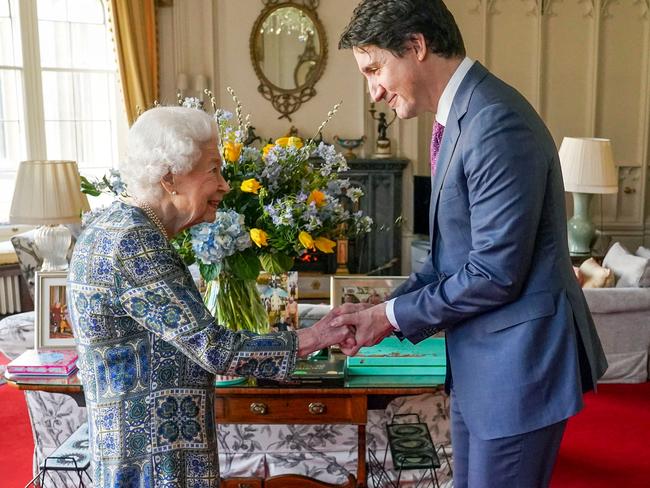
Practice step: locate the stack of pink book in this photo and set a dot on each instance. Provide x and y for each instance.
(44, 362)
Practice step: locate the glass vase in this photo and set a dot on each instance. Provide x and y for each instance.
(236, 303)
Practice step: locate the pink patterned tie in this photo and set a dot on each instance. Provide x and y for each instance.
(436, 139)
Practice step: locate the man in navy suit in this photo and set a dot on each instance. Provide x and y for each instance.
(521, 344)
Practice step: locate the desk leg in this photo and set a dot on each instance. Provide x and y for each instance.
(361, 457)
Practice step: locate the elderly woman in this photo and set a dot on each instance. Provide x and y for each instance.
(148, 348)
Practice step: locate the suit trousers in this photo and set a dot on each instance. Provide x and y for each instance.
(520, 461)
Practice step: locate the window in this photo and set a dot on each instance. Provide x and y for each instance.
(59, 92)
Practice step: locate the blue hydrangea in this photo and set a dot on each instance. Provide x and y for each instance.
(115, 183)
(214, 242)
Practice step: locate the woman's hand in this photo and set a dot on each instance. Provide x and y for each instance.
(321, 335)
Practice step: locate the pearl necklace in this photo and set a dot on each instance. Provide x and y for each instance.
(146, 208)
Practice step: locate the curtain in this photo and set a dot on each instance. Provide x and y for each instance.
(134, 28)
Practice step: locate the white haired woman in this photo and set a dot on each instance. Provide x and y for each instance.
(148, 348)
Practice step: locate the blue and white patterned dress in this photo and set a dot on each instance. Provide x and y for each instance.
(148, 352)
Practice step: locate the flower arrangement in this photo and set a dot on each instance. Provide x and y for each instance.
(286, 199)
(289, 198)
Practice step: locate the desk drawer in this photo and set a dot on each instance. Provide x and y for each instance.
(311, 409)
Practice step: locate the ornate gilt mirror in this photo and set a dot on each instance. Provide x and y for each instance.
(289, 52)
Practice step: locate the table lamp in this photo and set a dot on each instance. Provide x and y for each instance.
(587, 168)
(48, 193)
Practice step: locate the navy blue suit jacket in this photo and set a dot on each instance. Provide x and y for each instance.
(521, 343)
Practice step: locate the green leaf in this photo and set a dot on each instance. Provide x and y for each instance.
(244, 264)
(88, 188)
(277, 263)
(209, 272)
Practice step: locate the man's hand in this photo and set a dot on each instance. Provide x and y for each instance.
(321, 335)
(371, 325)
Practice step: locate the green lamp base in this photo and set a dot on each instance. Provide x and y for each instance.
(581, 231)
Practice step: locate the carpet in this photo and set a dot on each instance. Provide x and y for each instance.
(608, 443)
(16, 442)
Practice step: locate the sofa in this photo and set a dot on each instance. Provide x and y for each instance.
(618, 295)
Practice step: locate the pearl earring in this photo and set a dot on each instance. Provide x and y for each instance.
(174, 192)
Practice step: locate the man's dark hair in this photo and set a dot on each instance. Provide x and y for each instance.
(389, 24)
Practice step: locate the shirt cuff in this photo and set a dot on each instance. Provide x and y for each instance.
(390, 314)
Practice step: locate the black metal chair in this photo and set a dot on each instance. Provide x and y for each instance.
(71, 457)
(411, 448)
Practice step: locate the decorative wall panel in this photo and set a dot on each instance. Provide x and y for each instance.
(585, 66)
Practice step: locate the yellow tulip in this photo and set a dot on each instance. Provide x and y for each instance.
(231, 151)
(316, 196)
(266, 149)
(250, 186)
(306, 240)
(259, 237)
(290, 142)
(323, 244)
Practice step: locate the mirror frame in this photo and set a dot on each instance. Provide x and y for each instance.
(287, 101)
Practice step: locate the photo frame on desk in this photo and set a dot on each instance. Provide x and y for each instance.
(314, 287)
(362, 289)
(52, 326)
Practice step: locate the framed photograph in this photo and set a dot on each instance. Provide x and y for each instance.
(362, 289)
(52, 327)
(280, 298)
(314, 287)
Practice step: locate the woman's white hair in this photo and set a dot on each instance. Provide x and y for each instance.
(164, 140)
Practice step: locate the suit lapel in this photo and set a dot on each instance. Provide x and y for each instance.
(450, 138)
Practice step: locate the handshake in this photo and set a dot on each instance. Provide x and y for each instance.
(351, 326)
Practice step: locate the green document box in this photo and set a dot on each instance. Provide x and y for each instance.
(394, 357)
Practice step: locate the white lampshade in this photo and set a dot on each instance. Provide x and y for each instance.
(588, 165)
(48, 192)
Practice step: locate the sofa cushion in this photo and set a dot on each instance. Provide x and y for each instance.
(643, 252)
(630, 270)
(593, 275)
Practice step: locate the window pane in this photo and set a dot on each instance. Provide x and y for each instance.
(93, 95)
(12, 148)
(86, 11)
(61, 140)
(11, 95)
(55, 44)
(94, 142)
(58, 96)
(9, 35)
(51, 9)
(89, 46)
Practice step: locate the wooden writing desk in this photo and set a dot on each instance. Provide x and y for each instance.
(249, 404)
